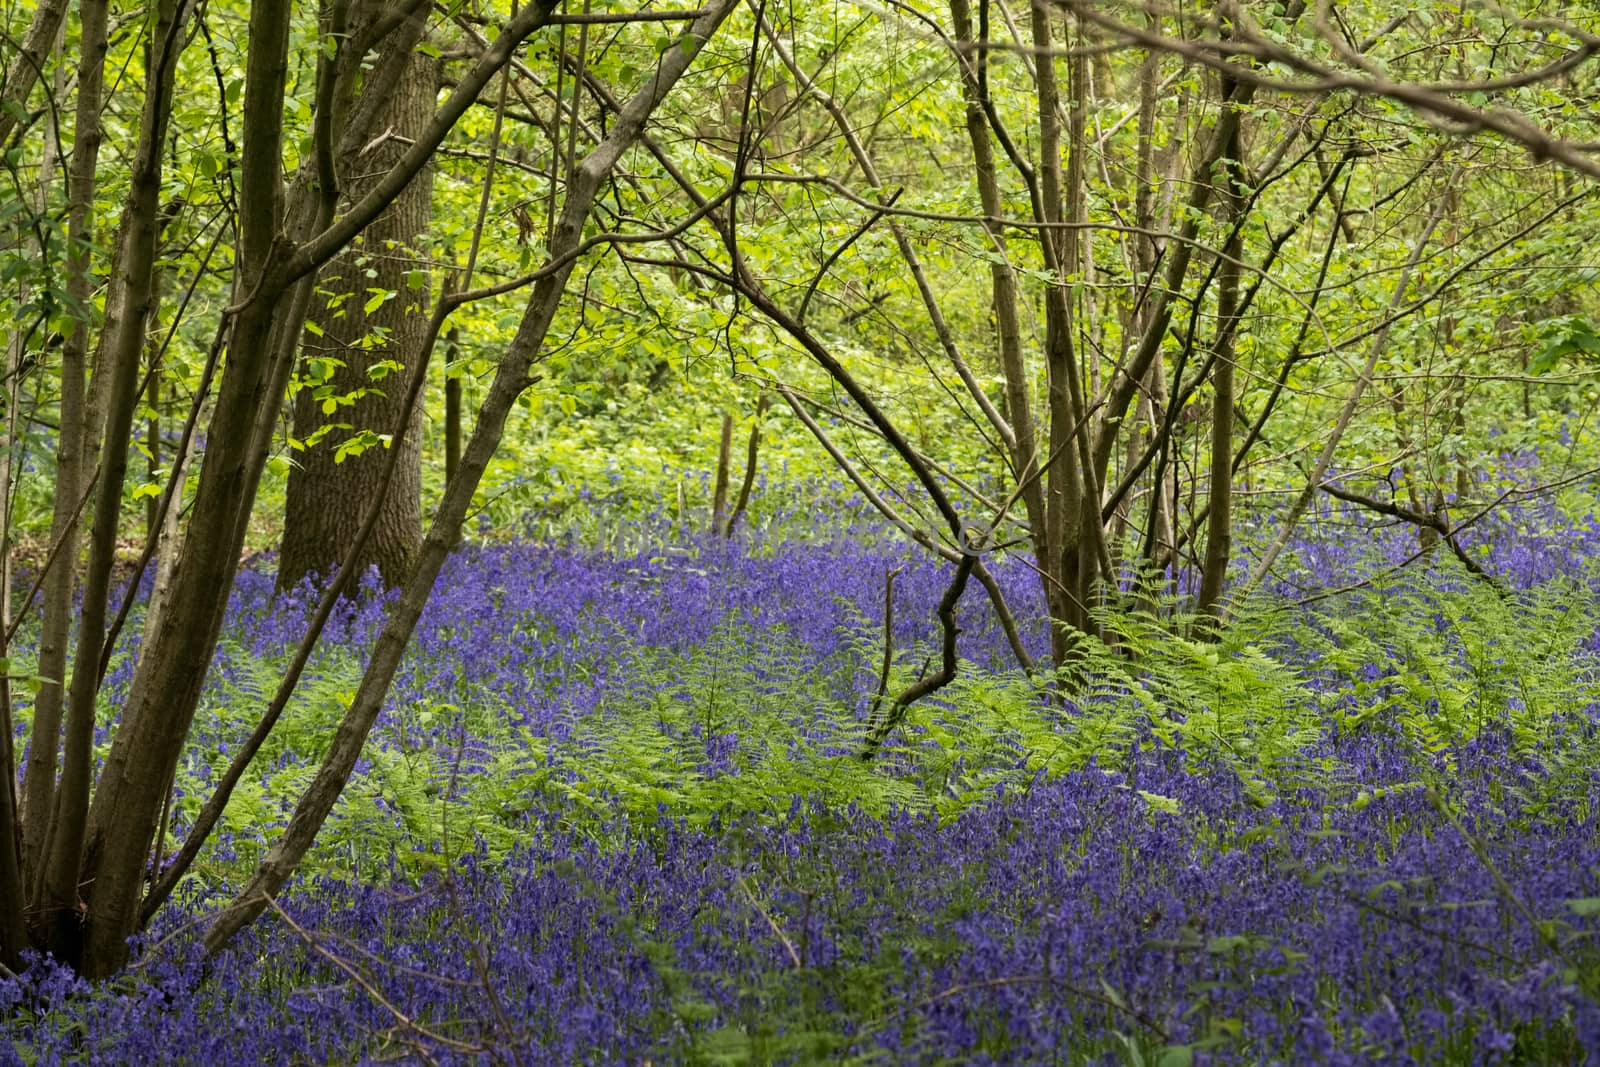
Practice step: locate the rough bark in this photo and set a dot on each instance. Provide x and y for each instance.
(328, 492)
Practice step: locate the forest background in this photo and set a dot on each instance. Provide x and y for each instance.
(1105, 292)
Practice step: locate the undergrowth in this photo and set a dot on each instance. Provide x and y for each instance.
(1294, 841)
(752, 719)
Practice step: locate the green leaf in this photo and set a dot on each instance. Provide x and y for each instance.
(1587, 907)
(1254, 834)
(1566, 335)
(1176, 1056)
(1157, 802)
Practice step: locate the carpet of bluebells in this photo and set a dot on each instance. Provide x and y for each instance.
(613, 815)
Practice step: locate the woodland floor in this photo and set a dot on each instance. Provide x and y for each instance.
(614, 814)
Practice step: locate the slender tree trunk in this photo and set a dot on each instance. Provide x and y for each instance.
(1077, 265)
(1219, 525)
(719, 491)
(1415, 482)
(170, 672)
(1003, 301)
(152, 444)
(73, 442)
(343, 356)
(13, 931)
(168, 543)
(452, 412)
(1146, 258)
(121, 354)
(751, 455)
(1071, 510)
(1179, 252)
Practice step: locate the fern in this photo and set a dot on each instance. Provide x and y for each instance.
(753, 719)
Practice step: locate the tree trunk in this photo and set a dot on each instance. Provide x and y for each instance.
(1003, 299)
(13, 933)
(73, 441)
(452, 411)
(28, 65)
(1072, 506)
(351, 351)
(120, 355)
(719, 493)
(1219, 527)
(752, 454)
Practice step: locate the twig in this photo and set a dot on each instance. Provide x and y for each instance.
(752, 454)
(49, 561)
(888, 641)
(1545, 936)
(372, 991)
(1008, 621)
(777, 931)
(1428, 521)
(1325, 458)
(930, 683)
